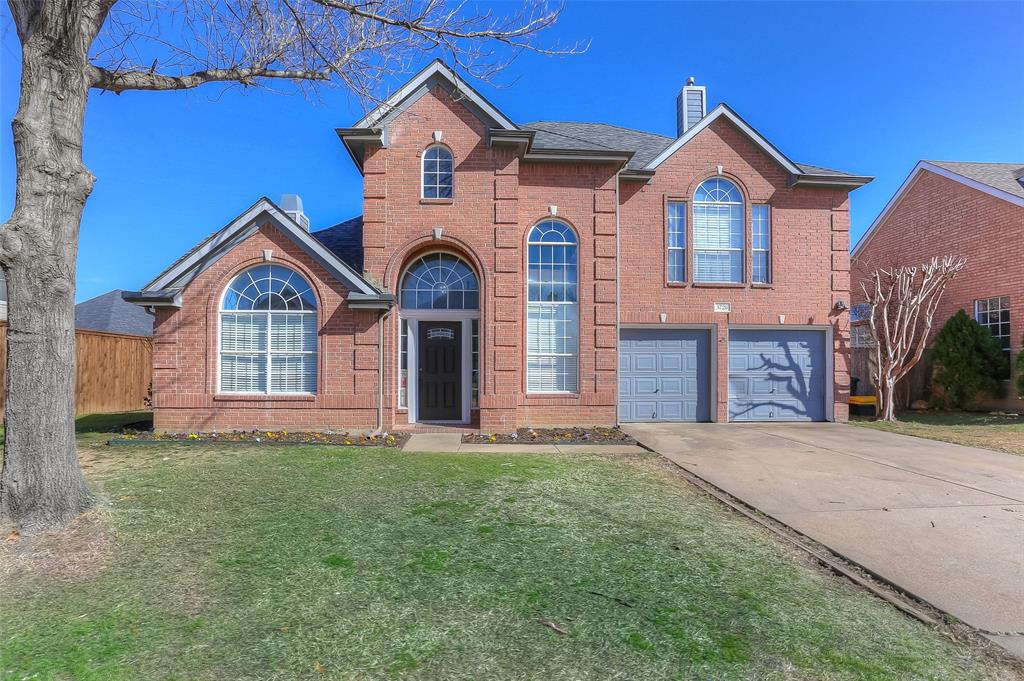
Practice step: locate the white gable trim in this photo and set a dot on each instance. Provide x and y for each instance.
(912, 179)
(246, 222)
(439, 68)
(716, 113)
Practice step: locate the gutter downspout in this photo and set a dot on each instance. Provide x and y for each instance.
(380, 370)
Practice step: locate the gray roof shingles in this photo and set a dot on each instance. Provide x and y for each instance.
(345, 240)
(110, 313)
(1003, 176)
(601, 136)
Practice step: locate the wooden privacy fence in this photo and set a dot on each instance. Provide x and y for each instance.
(113, 371)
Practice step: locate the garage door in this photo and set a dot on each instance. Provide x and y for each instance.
(663, 375)
(777, 375)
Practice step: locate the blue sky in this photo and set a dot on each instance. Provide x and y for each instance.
(865, 87)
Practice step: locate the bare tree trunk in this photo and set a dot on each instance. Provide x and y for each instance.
(41, 484)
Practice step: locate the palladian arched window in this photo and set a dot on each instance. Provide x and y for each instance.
(440, 281)
(552, 310)
(718, 232)
(438, 173)
(268, 333)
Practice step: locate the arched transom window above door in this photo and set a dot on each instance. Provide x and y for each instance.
(440, 281)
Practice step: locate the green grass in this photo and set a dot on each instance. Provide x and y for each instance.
(973, 429)
(328, 563)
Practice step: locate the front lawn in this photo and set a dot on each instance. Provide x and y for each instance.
(974, 429)
(314, 562)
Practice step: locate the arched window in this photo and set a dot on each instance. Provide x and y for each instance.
(268, 333)
(440, 281)
(552, 310)
(438, 173)
(718, 232)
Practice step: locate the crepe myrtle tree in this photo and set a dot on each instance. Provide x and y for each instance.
(903, 302)
(72, 47)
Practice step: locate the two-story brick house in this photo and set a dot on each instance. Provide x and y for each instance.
(970, 209)
(507, 274)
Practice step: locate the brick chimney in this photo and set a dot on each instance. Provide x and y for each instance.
(691, 105)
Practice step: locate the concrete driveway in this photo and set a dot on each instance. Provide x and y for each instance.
(944, 522)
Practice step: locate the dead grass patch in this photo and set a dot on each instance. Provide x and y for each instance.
(79, 551)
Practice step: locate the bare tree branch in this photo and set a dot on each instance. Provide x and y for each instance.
(902, 313)
(182, 44)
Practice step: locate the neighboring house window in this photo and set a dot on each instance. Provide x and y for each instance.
(438, 173)
(552, 316)
(994, 315)
(676, 226)
(861, 312)
(268, 333)
(761, 243)
(860, 336)
(718, 232)
(440, 281)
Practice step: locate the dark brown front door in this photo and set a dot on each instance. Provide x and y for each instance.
(440, 371)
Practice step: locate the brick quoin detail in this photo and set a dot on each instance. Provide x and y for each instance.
(498, 197)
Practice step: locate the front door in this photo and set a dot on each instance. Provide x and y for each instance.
(440, 371)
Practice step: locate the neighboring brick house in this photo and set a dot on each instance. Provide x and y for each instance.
(505, 275)
(952, 208)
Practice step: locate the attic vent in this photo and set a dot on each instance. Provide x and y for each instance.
(292, 205)
(691, 105)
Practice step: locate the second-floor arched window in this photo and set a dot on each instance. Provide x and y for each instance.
(717, 232)
(438, 173)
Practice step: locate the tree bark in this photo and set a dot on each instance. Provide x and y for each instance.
(41, 485)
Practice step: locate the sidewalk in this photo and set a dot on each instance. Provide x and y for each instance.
(452, 442)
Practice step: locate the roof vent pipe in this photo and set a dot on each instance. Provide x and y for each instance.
(691, 105)
(292, 205)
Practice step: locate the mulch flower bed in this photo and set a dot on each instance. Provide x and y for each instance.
(553, 436)
(264, 437)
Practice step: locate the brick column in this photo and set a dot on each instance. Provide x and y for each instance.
(841, 322)
(503, 320)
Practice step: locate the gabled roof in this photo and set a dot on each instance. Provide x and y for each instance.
(1003, 177)
(111, 313)
(1001, 180)
(721, 111)
(165, 288)
(436, 69)
(639, 152)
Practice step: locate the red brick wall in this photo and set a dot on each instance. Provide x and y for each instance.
(809, 256)
(185, 354)
(938, 216)
(498, 198)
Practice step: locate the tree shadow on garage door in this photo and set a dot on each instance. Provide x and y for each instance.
(796, 407)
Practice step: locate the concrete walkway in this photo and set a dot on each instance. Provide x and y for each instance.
(452, 442)
(943, 522)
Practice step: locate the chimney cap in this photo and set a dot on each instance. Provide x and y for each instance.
(692, 80)
(291, 203)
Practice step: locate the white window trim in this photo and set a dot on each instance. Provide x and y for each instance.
(977, 313)
(732, 249)
(220, 352)
(530, 303)
(768, 251)
(668, 247)
(423, 174)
